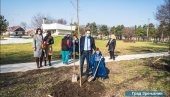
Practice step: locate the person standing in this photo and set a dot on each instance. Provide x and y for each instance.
(87, 45)
(71, 46)
(37, 43)
(44, 34)
(44, 44)
(65, 46)
(48, 41)
(76, 44)
(112, 44)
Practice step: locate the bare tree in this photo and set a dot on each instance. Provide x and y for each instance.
(163, 16)
(163, 12)
(128, 32)
(61, 21)
(37, 20)
(23, 25)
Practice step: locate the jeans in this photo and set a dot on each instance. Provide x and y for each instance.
(85, 55)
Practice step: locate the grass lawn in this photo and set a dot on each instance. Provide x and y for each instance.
(17, 53)
(124, 48)
(137, 75)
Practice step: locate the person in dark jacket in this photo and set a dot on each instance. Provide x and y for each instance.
(94, 60)
(76, 44)
(37, 43)
(65, 46)
(87, 45)
(47, 47)
(112, 44)
(71, 46)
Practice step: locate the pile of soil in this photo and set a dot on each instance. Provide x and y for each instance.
(68, 89)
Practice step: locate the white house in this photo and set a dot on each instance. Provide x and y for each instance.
(58, 29)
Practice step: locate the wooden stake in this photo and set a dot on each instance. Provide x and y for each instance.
(79, 37)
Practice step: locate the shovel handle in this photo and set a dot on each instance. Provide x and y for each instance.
(98, 66)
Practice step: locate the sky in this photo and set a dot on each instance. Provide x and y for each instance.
(108, 12)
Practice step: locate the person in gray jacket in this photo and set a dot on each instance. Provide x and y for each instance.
(37, 46)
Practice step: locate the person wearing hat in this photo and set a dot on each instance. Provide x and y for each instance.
(87, 45)
(112, 44)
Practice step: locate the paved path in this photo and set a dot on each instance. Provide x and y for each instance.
(15, 41)
(31, 66)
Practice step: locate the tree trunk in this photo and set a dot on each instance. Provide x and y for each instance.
(162, 36)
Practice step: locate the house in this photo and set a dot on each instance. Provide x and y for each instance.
(30, 32)
(58, 29)
(15, 31)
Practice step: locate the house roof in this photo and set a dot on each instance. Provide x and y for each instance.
(58, 27)
(14, 28)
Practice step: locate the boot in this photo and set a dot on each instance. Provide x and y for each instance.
(110, 55)
(45, 62)
(41, 59)
(49, 60)
(113, 55)
(37, 62)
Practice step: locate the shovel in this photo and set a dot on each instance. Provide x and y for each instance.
(93, 77)
(74, 78)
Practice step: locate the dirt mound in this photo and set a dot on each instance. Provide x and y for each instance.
(68, 89)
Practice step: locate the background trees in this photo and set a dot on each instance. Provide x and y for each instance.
(163, 16)
(60, 21)
(93, 28)
(113, 30)
(128, 32)
(104, 30)
(119, 31)
(24, 25)
(3, 24)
